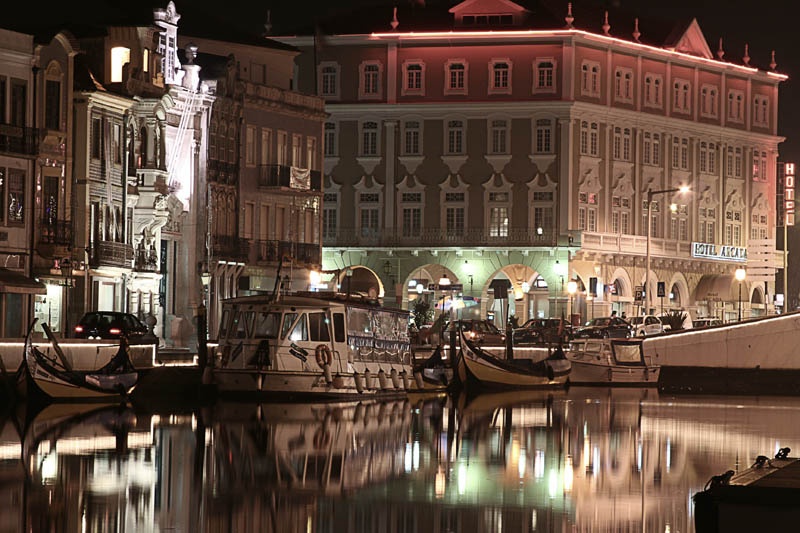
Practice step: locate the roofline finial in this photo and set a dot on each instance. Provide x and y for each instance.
(606, 25)
(746, 57)
(720, 51)
(636, 32)
(395, 23)
(772, 63)
(569, 18)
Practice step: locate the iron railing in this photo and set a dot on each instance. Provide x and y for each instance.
(280, 176)
(416, 238)
(302, 252)
(108, 253)
(53, 231)
(19, 140)
(230, 247)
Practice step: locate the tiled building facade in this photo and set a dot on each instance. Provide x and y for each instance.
(501, 144)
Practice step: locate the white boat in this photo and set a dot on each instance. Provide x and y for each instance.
(55, 378)
(611, 362)
(312, 344)
(487, 371)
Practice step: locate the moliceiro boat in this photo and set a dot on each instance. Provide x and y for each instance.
(611, 362)
(55, 377)
(487, 371)
(312, 344)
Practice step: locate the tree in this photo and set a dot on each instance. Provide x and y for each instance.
(674, 319)
(421, 313)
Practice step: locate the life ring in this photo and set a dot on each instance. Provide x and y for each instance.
(321, 438)
(323, 355)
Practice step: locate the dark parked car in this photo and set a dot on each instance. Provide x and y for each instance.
(480, 331)
(543, 331)
(604, 328)
(109, 325)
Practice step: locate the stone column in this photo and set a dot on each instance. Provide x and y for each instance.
(389, 186)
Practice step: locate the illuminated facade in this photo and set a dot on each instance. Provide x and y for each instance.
(503, 144)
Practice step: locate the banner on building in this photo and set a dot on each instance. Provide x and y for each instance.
(300, 178)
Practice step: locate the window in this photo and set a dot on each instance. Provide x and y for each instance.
(414, 78)
(411, 137)
(544, 75)
(708, 101)
(455, 221)
(626, 144)
(620, 214)
(146, 60)
(116, 143)
(300, 331)
(266, 146)
(587, 216)
(617, 143)
(589, 138)
(297, 150)
(590, 79)
(499, 137)
(733, 228)
(759, 166)
(758, 227)
(646, 148)
(15, 197)
(3, 85)
(311, 153)
(19, 108)
(456, 78)
(318, 326)
(97, 138)
(498, 222)
(737, 163)
(652, 90)
(651, 149)
(455, 137)
(329, 142)
(685, 154)
(500, 76)
(250, 145)
(52, 105)
(623, 85)
(735, 106)
(707, 228)
(680, 97)
(543, 221)
(329, 80)
(760, 110)
(120, 56)
(370, 221)
(703, 157)
(329, 215)
(712, 158)
(544, 136)
(370, 80)
(369, 138)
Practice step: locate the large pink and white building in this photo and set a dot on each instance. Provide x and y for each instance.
(491, 141)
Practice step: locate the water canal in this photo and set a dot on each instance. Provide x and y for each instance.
(588, 459)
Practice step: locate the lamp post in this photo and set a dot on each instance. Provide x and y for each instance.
(740, 275)
(561, 271)
(572, 288)
(348, 274)
(66, 271)
(469, 270)
(650, 194)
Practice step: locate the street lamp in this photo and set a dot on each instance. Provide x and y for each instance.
(650, 193)
(469, 270)
(314, 279)
(66, 270)
(740, 275)
(561, 271)
(349, 275)
(572, 288)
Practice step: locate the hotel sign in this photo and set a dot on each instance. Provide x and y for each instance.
(788, 194)
(719, 253)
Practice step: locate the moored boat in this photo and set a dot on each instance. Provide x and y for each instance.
(487, 371)
(56, 379)
(321, 345)
(434, 374)
(611, 362)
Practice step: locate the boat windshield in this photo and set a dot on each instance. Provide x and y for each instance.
(267, 325)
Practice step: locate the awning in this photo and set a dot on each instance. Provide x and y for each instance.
(17, 283)
(718, 288)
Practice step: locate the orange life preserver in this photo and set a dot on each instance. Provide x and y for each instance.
(323, 355)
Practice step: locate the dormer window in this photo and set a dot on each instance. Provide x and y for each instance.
(329, 79)
(499, 19)
(623, 85)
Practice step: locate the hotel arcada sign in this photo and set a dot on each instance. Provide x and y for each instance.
(720, 253)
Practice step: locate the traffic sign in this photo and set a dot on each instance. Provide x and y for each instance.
(662, 289)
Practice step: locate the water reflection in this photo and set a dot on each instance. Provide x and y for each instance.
(582, 460)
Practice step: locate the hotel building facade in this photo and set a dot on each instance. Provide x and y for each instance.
(506, 144)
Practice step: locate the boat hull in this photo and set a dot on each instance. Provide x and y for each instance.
(300, 384)
(61, 390)
(587, 373)
(488, 375)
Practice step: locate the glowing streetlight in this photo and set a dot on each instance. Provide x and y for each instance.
(683, 189)
(740, 275)
(572, 288)
(314, 278)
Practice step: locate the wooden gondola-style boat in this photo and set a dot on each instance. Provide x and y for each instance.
(486, 371)
(611, 362)
(55, 378)
(434, 374)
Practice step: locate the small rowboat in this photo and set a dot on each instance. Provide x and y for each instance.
(54, 377)
(488, 371)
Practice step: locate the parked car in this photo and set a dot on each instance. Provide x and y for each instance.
(109, 325)
(604, 328)
(480, 331)
(646, 325)
(543, 331)
(705, 322)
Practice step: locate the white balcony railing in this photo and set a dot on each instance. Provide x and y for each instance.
(634, 244)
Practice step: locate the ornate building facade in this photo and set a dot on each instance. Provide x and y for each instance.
(498, 145)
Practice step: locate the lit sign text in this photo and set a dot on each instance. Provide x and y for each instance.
(720, 253)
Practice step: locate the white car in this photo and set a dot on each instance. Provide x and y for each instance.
(646, 325)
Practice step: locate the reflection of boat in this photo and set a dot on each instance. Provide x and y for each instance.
(488, 371)
(611, 362)
(434, 374)
(315, 344)
(54, 377)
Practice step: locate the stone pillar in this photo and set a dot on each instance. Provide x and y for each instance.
(389, 187)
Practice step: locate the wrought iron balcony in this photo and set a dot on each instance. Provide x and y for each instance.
(18, 140)
(302, 252)
(52, 231)
(281, 176)
(431, 237)
(146, 261)
(115, 254)
(229, 247)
